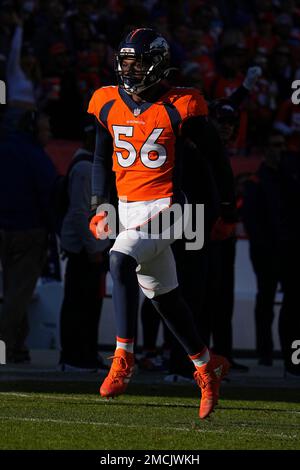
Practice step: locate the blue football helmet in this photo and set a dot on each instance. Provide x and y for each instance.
(152, 52)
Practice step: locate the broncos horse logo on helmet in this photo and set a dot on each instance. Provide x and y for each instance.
(152, 52)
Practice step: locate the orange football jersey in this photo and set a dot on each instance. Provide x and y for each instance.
(144, 137)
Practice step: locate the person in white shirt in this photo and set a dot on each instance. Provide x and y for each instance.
(22, 78)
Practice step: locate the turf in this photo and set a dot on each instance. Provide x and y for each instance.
(71, 415)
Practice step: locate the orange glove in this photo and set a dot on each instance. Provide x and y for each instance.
(99, 226)
(222, 230)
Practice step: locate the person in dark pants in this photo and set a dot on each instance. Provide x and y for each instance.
(261, 217)
(85, 270)
(207, 275)
(192, 265)
(289, 318)
(27, 183)
(221, 298)
(80, 312)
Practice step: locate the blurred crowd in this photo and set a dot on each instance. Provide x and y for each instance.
(68, 47)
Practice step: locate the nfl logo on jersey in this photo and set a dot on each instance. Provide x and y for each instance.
(136, 111)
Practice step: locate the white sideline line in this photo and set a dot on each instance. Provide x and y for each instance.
(98, 400)
(97, 423)
(104, 401)
(138, 426)
(16, 394)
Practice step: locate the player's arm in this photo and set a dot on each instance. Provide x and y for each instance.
(101, 179)
(242, 92)
(204, 136)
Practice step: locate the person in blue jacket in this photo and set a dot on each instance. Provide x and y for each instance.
(27, 215)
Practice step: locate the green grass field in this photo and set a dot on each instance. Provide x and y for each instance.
(71, 415)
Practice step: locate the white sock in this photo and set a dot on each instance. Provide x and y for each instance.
(201, 358)
(125, 344)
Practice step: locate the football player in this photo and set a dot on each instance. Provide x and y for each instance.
(141, 125)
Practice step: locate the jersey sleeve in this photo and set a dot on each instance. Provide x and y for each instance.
(96, 103)
(197, 106)
(92, 104)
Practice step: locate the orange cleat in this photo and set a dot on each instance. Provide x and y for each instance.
(221, 367)
(209, 378)
(119, 375)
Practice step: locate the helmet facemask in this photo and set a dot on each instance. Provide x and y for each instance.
(151, 70)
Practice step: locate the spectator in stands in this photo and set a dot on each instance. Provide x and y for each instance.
(50, 28)
(221, 38)
(23, 78)
(85, 270)
(261, 217)
(287, 121)
(265, 38)
(27, 182)
(229, 76)
(263, 104)
(94, 67)
(65, 100)
(22, 75)
(282, 70)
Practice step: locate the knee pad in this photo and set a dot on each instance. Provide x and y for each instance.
(121, 265)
